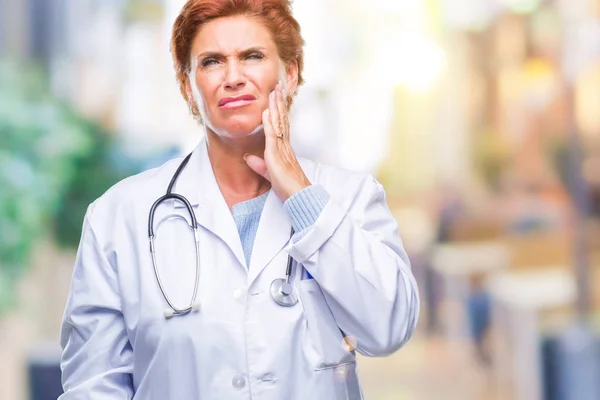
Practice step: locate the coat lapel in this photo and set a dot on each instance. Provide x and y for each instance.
(272, 235)
(198, 184)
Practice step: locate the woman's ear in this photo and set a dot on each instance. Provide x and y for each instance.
(188, 90)
(189, 94)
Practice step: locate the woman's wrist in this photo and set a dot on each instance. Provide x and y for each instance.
(305, 206)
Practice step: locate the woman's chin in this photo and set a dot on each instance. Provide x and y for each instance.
(239, 130)
(240, 135)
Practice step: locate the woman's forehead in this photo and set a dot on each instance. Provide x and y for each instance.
(231, 35)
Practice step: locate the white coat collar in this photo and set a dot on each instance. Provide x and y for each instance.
(198, 184)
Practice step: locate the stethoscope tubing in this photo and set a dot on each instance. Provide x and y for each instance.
(281, 298)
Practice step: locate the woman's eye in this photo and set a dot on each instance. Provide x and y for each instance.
(208, 62)
(255, 56)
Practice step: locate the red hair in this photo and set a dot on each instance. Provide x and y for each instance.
(276, 15)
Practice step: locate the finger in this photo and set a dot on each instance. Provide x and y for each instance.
(282, 110)
(275, 121)
(268, 128)
(257, 165)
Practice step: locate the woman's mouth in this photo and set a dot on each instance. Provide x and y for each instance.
(236, 102)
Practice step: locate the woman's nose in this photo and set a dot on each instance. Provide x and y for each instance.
(234, 78)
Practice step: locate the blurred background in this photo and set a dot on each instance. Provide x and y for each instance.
(480, 117)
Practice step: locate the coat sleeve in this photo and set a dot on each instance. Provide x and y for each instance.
(356, 256)
(97, 358)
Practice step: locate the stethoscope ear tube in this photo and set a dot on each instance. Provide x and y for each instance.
(193, 305)
(290, 261)
(174, 196)
(282, 291)
(170, 195)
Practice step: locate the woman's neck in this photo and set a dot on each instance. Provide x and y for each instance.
(236, 180)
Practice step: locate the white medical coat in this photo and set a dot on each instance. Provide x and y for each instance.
(117, 344)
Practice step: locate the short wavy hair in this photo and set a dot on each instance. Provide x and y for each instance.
(276, 15)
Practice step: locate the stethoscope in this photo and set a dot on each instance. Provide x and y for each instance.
(282, 290)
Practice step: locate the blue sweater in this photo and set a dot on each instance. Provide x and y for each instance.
(303, 209)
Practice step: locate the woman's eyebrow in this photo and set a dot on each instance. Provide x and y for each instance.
(252, 50)
(216, 54)
(209, 54)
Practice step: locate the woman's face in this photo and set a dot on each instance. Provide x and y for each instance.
(235, 66)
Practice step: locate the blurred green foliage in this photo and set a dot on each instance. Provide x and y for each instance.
(53, 163)
(94, 172)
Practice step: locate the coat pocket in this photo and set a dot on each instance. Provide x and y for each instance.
(323, 334)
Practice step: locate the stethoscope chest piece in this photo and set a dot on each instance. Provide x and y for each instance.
(283, 292)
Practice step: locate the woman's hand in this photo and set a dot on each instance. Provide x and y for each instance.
(279, 166)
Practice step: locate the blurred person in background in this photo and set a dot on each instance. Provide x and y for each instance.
(230, 304)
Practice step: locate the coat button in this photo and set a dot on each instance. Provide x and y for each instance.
(238, 381)
(238, 294)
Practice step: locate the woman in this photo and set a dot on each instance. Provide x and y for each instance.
(231, 332)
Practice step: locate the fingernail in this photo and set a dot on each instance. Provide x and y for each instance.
(279, 86)
(245, 156)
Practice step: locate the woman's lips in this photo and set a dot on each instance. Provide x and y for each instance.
(236, 102)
